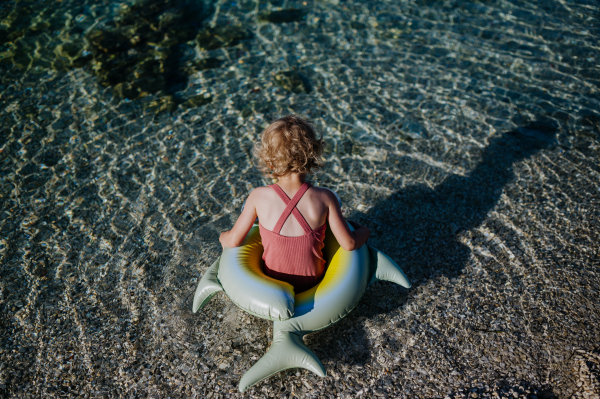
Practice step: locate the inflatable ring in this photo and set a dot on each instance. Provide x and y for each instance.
(238, 273)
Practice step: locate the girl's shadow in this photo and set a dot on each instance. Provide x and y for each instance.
(421, 226)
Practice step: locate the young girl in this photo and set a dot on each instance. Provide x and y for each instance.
(288, 151)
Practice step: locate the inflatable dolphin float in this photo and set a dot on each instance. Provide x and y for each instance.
(238, 273)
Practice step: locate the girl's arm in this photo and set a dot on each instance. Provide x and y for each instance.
(349, 240)
(235, 236)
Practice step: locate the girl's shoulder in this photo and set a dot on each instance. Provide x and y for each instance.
(262, 189)
(322, 190)
(262, 192)
(326, 193)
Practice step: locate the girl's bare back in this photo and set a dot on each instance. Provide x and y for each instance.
(313, 205)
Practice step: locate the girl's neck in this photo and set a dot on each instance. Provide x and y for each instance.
(291, 181)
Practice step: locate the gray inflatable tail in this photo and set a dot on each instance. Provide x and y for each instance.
(207, 287)
(386, 269)
(287, 351)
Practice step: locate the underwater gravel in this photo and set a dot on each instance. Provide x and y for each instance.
(465, 134)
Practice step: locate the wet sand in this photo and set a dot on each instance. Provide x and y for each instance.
(464, 134)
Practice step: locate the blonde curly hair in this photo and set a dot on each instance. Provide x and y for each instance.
(289, 145)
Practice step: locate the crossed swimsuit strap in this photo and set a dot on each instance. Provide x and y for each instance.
(291, 208)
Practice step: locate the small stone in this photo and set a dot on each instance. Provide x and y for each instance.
(246, 112)
(197, 101)
(223, 365)
(292, 81)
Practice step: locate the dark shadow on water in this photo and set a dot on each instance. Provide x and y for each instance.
(430, 220)
(427, 222)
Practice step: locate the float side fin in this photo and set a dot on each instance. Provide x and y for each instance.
(207, 287)
(386, 269)
(287, 351)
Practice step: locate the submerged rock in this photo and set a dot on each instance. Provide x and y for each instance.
(201, 65)
(283, 16)
(125, 90)
(103, 41)
(72, 54)
(221, 36)
(166, 103)
(19, 53)
(197, 101)
(144, 49)
(4, 34)
(68, 49)
(28, 37)
(142, 53)
(292, 81)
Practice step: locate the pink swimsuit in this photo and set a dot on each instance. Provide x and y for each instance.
(296, 260)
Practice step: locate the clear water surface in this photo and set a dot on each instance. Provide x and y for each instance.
(465, 133)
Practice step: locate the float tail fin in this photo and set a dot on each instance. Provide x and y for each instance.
(207, 287)
(287, 351)
(386, 269)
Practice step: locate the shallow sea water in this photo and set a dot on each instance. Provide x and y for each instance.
(465, 134)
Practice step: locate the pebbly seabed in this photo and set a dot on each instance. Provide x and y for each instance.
(465, 134)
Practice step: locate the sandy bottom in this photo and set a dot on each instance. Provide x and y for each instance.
(464, 134)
